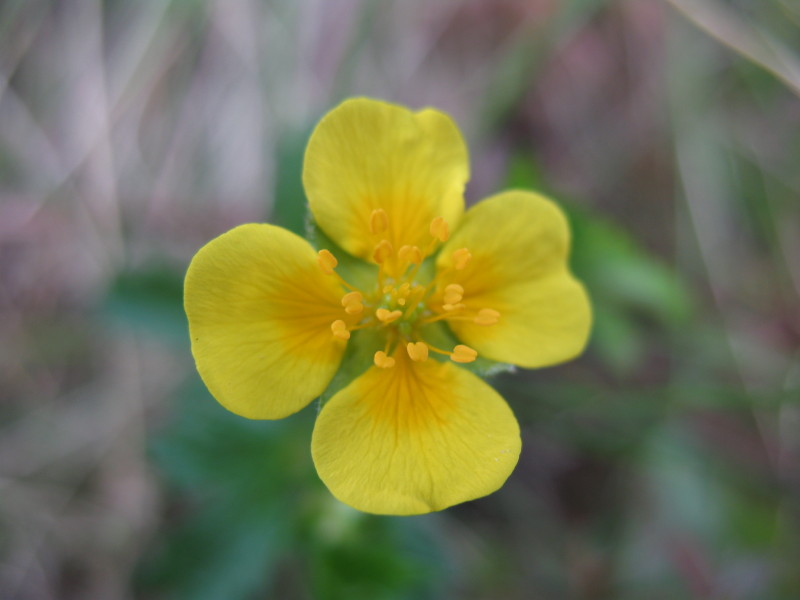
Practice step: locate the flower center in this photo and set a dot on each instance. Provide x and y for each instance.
(399, 304)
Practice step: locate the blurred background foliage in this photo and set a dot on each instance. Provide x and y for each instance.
(662, 464)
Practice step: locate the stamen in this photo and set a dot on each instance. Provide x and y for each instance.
(463, 354)
(387, 316)
(410, 254)
(378, 221)
(326, 261)
(487, 316)
(439, 317)
(452, 313)
(453, 307)
(438, 350)
(417, 351)
(351, 297)
(382, 251)
(382, 361)
(439, 229)
(453, 294)
(339, 330)
(461, 258)
(352, 302)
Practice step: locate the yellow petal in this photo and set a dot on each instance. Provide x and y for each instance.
(366, 156)
(260, 312)
(414, 438)
(545, 315)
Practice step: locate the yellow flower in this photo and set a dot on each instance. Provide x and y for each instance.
(271, 319)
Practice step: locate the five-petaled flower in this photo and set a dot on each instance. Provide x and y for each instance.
(271, 319)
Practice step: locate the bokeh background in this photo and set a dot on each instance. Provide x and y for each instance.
(663, 464)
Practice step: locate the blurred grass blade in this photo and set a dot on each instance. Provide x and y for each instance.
(743, 37)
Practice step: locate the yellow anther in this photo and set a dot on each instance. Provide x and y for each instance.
(417, 351)
(382, 251)
(378, 221)
(351, 297)
(387, 289)
(326, 261)
(388, 316)
(352, 303)
(487, 316)
(356, 308)
(404, 290)
(439, 229)
(463, 354)
(410, 254)
(339, 330)
(461, 258)
(452, 307)
(453, 294)
(383, 361)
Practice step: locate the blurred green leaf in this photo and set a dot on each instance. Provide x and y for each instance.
(149, 299)
(217, 554)
(250, 483)
(250, 509)
(622, 272)
(690, 492)
(600, 421)
(617, 337)
(290, 207)
(380, 557)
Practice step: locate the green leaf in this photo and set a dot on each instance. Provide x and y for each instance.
(380, 557)
(632, 292)
(250, 485)
(149, 299)
(290, 206)
(602, 422)
(617, 337)
(622, 272)
(247, 508)
(217, 554)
